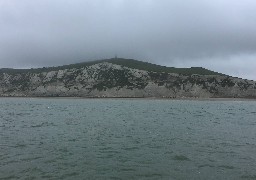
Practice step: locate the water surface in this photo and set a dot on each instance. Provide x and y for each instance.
(127, 139)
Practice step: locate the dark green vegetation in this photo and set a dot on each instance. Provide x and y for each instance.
(118, 78)
(157, 68)
(131, 63)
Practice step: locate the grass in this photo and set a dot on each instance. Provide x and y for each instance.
(131, 63)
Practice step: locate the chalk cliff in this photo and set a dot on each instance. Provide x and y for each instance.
(109, 78)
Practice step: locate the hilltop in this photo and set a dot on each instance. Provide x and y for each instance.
(131, 63)
(119, 77)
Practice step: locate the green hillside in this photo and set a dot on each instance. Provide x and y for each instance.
(157, 68)
(131, 63)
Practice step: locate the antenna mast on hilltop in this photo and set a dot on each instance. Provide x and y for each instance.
(115, 56)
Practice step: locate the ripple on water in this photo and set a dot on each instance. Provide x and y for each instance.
(20, 145)
(43, 124)
(206, 165)
(11, 177)
(181, 158)
(69, 175)
(251, 177)
(226, 167)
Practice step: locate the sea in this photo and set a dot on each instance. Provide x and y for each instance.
(58, 138)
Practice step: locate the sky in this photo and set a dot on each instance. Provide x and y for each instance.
(215, 34)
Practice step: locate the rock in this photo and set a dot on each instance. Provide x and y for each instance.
(105, 79)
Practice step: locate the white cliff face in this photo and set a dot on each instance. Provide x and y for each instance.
(112, 80)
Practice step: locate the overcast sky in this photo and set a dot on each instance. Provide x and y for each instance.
(216, 34)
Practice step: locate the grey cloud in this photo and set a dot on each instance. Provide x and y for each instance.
(45, 32)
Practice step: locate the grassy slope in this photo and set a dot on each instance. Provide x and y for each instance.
(124, 62)
(157, 68)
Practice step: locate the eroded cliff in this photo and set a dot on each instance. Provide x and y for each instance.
(106, 79)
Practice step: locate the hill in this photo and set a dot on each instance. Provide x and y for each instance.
(122, 78)
(131, 63)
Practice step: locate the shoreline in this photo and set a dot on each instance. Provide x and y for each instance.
(133, 98)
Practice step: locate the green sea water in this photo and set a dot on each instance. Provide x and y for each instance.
(127, 139)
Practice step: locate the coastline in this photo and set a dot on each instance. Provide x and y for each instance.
(133, 98)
